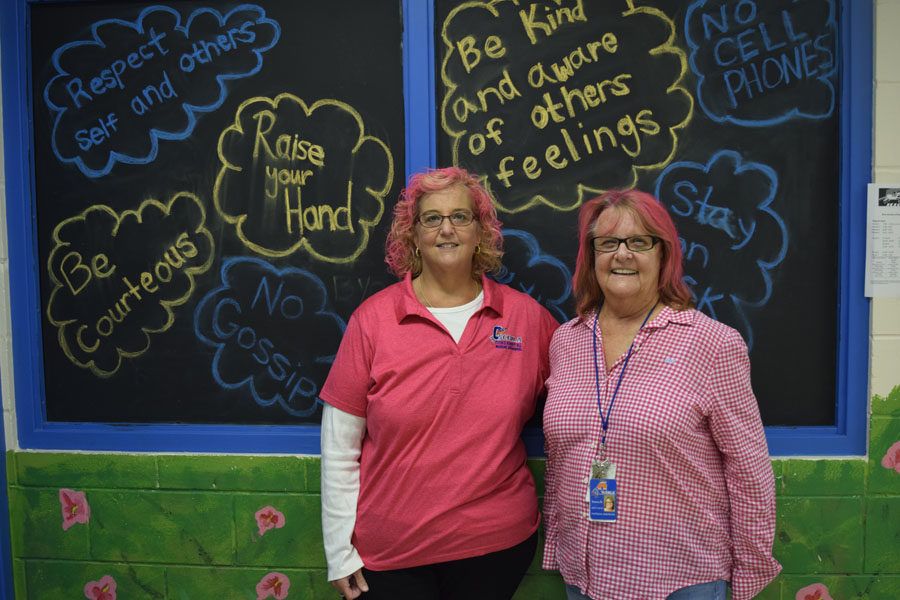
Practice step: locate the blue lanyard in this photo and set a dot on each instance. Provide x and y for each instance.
(605, 419)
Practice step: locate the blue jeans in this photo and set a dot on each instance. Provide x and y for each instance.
(714, 590)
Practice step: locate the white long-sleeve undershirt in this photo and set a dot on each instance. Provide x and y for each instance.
(342, 435)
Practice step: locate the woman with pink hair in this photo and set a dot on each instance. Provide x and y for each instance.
(425, 489)
(650, 411)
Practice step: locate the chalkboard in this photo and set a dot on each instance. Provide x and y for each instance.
(726, 110)
(213, 183)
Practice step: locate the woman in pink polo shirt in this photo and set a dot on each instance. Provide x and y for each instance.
(658, 480)
(425, 489)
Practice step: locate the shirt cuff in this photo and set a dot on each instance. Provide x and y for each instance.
(548, 554)
(747, 584)
(348, 563)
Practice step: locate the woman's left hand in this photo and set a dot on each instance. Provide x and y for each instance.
(351, 586)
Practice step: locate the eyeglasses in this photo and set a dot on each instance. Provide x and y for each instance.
(458, 218)
(635, 243)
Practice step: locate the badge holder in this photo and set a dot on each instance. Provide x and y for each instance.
(602, 500)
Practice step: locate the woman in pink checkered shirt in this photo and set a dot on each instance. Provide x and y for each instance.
(658, 480)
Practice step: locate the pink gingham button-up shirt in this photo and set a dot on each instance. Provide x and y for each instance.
(696, 494)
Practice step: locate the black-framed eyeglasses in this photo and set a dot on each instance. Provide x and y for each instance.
(635, 243)
(458, 218)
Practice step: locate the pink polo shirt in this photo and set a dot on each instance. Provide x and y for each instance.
(442, 470)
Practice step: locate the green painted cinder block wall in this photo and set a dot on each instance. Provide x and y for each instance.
(182, 527)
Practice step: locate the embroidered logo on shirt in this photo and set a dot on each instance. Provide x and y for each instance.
(504, 341)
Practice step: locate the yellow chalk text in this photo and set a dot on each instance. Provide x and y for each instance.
(87, 335)
(316, 217)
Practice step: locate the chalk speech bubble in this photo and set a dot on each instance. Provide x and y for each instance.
(302, 177)
(551, 101)
(528, 269)
(118, 278)
(761, 63)
(135, 83)
(731, 236)
(272, 331)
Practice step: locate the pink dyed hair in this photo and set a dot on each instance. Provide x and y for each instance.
(400, 251)
(656, 220)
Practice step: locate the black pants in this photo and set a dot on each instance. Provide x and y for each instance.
(493, 576)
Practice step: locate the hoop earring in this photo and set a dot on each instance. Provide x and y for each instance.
(417, 252)
(478, 249)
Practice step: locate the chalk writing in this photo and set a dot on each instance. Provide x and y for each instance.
(272, 332)
(528, 269)
(118, 277)
(731, 236)
(349, 290)
(116, 95)
(553, 100)
(759, 63)
(302, 177)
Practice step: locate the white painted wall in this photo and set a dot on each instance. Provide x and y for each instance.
(6, 371)
(885, 331)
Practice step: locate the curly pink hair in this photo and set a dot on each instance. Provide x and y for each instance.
(400, 251)
(656, 220)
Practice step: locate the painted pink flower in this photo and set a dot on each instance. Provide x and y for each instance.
(75, 508)
(891, 458)
(105, 589)
(816, 591)
(268, 518)
(274, 584)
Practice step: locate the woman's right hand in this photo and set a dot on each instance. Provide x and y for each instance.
(351, 586)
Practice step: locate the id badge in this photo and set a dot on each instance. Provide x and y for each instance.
(602, 500)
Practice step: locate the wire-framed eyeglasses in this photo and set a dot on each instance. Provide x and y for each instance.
(635, 243)
(458, 218)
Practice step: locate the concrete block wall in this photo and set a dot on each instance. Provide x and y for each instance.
(885, 332)
(165, 527)
(181, 527)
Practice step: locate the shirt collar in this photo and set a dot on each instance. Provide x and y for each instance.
(670, 315)
(666, 315)
(407, 304)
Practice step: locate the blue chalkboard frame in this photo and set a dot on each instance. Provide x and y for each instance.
(847, 437)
